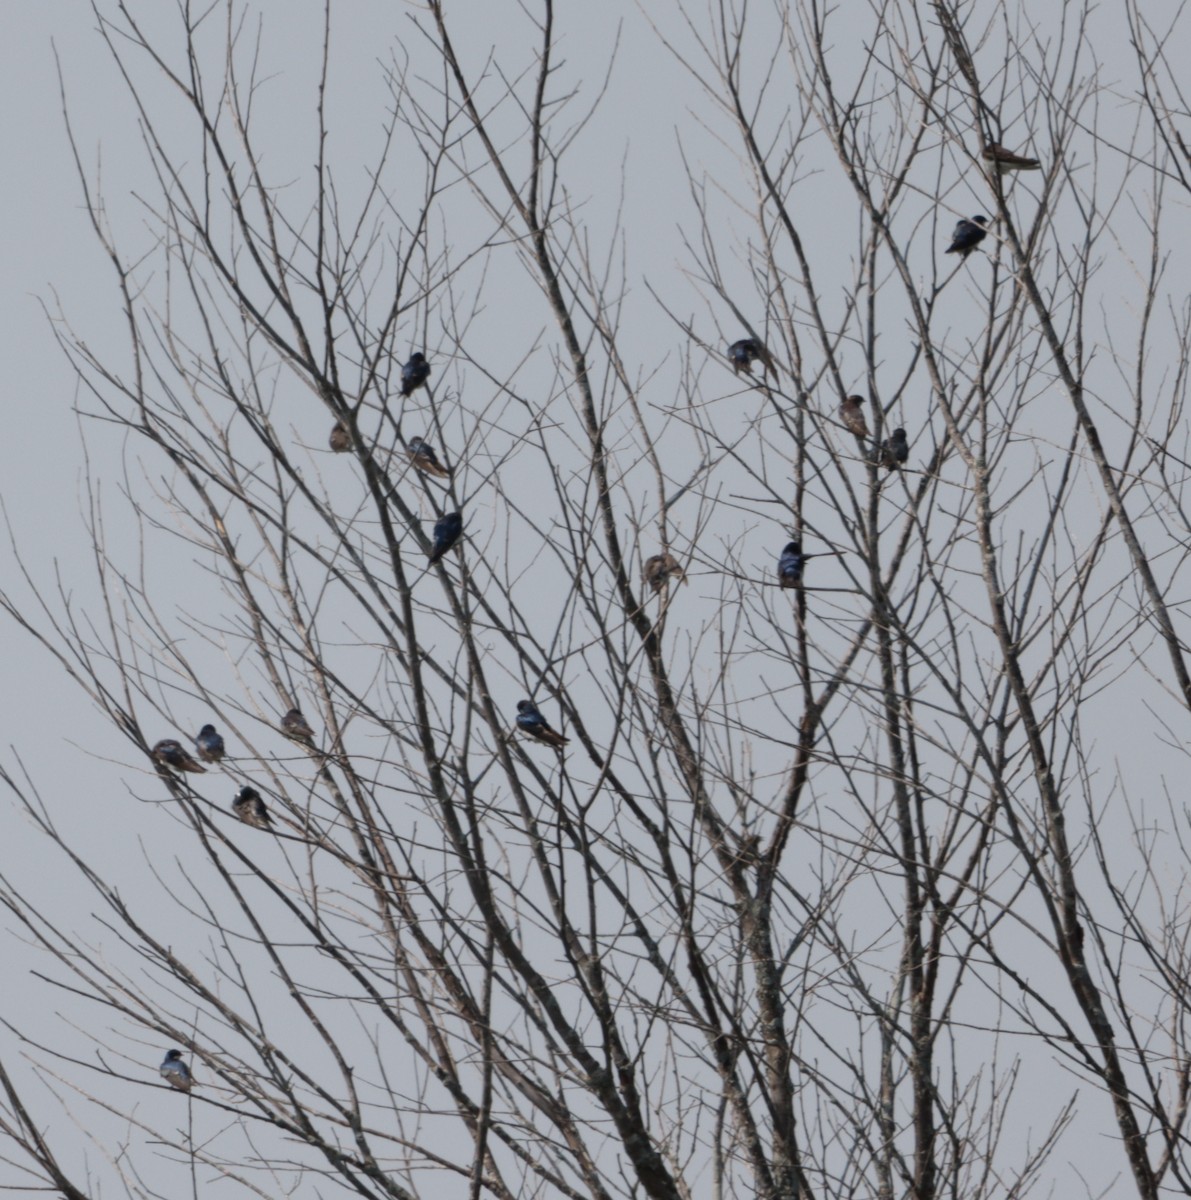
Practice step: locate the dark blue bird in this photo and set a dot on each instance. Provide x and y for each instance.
(446, 533)
(421, 454)
(894, 450)
(293, 725)
(415, 373)
(250, 808)
(534, 725)
(209, 744)
(744, 353)
(175, 1072)
(789, 566)
(171, 753)
(967, 236)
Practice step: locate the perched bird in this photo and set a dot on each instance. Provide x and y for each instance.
(209, 744)
(171, 754)
(749, 852)
(744, 353)
(415, 373)
(446, 533)
(340, 440)
(851, 412)
(250, 808)
(660, 569)
(534, 725)
(894, 450)
(175, 1072)
(293, 725)
(421, 454)
(1004, 161)
(790, 564)
(967, 236)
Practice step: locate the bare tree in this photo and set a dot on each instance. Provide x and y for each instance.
(689, 740)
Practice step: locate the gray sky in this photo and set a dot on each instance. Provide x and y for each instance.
(50, 255)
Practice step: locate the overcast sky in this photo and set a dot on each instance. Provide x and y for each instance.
(50, 258)
(53, 267)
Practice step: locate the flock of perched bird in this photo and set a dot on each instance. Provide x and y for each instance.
(891, 454)
(208, 744)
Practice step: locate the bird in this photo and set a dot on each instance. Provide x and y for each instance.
(790, 564)
(967, 236)
(415, 373)
(209, 744)
(171, 753)
(851, 412)
(744, 353)
(446, 533)
(293, 725)
(250, 808)
(894, 451)
(340, 439)
(660, 569)
(1004, 161)
(534, 725)
(421, 454)
(175, 1072)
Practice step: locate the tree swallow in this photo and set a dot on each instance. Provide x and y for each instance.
(340, 440)
(446, 533)
(209, 744)
(534, 725)
(744, 353)
(293, 725)
(967, 236)
(175, 1072)
(415, 373)
(894, 451)
(1004, 161)
(250, 808)
(171, 754)
(790, 564)
(421, 454)
(660, 569)
(851, 412)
